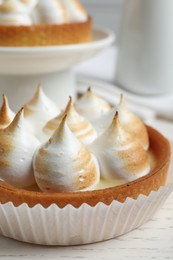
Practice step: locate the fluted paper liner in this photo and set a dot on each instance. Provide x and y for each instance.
(73, 226)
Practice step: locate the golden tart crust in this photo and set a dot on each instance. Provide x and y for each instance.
(46, 34)
(159, 147)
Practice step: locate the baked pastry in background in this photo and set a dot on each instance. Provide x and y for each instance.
(43, 23)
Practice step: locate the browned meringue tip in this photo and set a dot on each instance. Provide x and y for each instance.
(34, 99)
(38, 90)
(16, 120)
(37, 93)
(69, 105)
(25, 1)
(116, 126)
(58, 132)
(89, 89)
(19, 114)
(116, 116)
(4, 98)
(4, 106)
(70, 99)
(116, 119)
(4, 112)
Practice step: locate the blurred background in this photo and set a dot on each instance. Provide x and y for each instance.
(105, 13)
(140, 62)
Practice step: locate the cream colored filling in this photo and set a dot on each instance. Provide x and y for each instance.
(106, 183)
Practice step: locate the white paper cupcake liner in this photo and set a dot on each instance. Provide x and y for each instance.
(71, 226)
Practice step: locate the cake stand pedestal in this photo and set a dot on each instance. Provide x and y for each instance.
(22, 69)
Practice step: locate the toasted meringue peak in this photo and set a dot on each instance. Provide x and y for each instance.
(130, 122)
(81, 128)
(6, 114)
(39, 110)
(65, 164)
(91, 106)
(102, 123)
(17, 147)
(133, 124)
(30, 4)
(27, 12)
(14, 12)
(119, 155)
(61, 11)
(18, 122)
(52, 12)
(59, 133)
(76, 11)
(10, 6)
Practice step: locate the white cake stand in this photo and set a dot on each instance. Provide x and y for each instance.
(21, 69)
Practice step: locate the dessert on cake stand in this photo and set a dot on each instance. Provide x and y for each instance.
(22, 69)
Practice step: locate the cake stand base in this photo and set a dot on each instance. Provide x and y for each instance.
(20, 88)
(22, 69)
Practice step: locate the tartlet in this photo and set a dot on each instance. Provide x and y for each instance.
(159, 147)
(70, 218)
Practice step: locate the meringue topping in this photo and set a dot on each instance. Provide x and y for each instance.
(133, 124)
(30, 4)
(6, 114)
(17, 147)
(52, 12)
(39, 110)
(102, 123)
(76, 11)
(14, 12)
(119, 155)
(91, 106)
(28, 12)
(81, 128)
(65, 164)
(61, 11)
